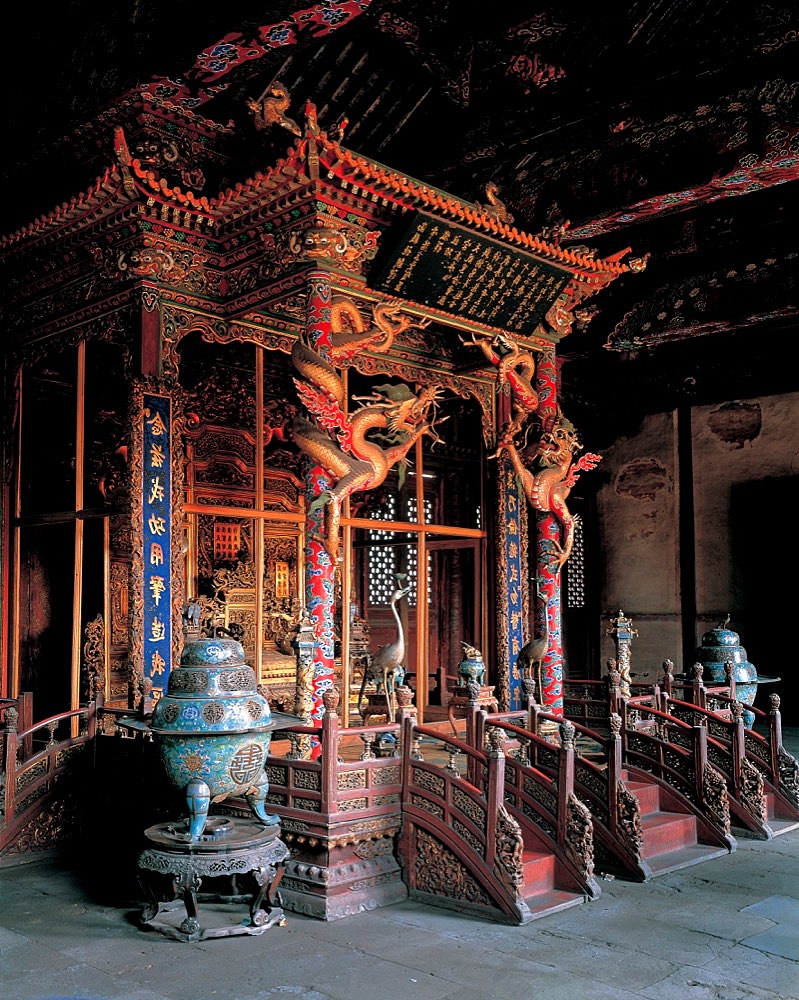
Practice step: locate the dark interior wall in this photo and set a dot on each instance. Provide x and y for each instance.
(764, 541)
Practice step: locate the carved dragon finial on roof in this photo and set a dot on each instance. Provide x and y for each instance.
(270, 109)
(495, 208)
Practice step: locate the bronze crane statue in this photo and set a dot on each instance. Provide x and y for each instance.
(385, 669)
(533, 653)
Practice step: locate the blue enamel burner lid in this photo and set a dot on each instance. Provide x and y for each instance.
(213, 690)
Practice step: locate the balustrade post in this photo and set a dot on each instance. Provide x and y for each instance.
(613, 680)
(697, 687)
(700, 761)
(478, 734)
(668, 680)
(10, 762)
(495, 792)
(25, 722)
(405, 709)
(472, 709)
(329, 754)
(775, 736)
(408, 728)
(565, 778)
(615, 764)
(738, 746)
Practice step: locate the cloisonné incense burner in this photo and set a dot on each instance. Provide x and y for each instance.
(214, 729)
(720, 646)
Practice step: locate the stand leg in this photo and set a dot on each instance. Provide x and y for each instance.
(152, 905)
(188, 887)
(263, 912)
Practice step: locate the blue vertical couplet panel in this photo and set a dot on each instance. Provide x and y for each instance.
(513, 580)
(157, 537)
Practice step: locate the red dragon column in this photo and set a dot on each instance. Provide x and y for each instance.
(320, 566)
(348, 451)
(534, 392)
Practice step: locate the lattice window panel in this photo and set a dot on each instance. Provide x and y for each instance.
(575, 570)
(382, 558)
(413, 569)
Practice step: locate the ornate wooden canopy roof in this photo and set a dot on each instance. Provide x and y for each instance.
(670, 128)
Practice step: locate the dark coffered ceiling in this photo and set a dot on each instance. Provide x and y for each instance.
(669, 126)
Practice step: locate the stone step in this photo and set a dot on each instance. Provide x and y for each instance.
(538, 870)
(667, 831)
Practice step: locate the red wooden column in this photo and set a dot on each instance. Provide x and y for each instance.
(546, 596)
(320, 569)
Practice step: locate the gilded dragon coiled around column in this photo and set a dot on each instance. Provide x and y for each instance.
(393, 415)
(547, 489)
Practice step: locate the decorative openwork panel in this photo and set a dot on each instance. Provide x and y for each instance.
(386, 775)
(277, 774)
(541, 822)
(466, 834)
(29, 800)
(538, 793)
(351, 805)
(29, 774)
(681, 764)
(438, 871)
(68, 756)
(575, 570)
(546, 758)
(390, 799)
(425, 779)
(309, 780)
(311, 805)
(716, 756)
(433, 808)
(382, 558)
(754, 747)
(469, 808)
(679, 738)
(352, 779)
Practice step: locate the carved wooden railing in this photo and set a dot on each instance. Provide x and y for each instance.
(754, 765)
(465, 825)
(692, 688)
(673, 751)
(597, 783)
(590, 703)
(42, 768)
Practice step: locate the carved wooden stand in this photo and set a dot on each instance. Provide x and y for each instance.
(172, 867)
(460, 698)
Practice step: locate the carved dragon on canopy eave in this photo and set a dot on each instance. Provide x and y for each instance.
(349, 335)
(357, 449)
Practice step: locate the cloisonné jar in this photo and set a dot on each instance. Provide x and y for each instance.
(720, 646)
(471, 667)
(214, 730)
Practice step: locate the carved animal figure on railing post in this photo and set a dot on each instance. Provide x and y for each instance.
(385, 669)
